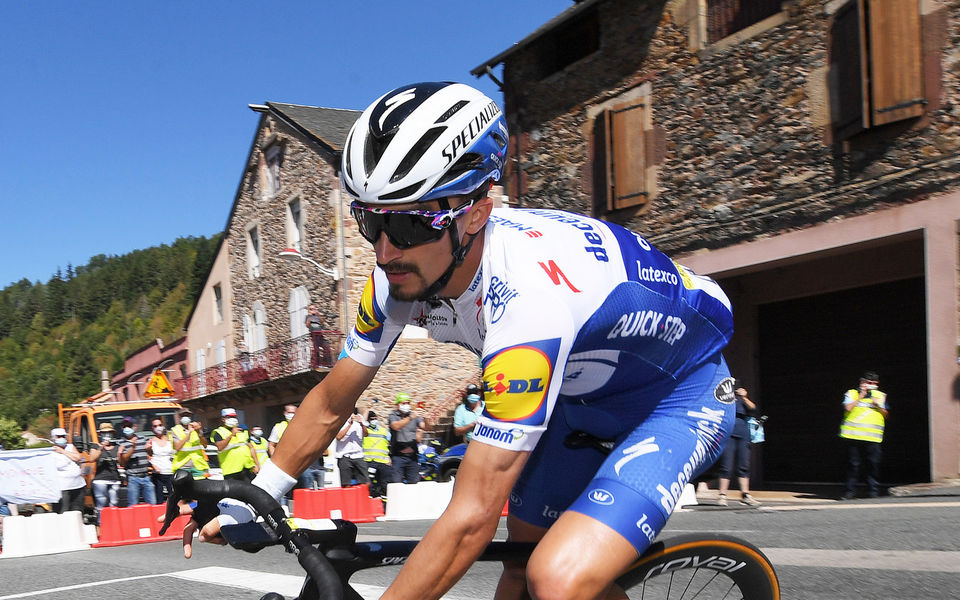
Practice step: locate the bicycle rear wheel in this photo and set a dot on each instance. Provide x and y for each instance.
(702, 567)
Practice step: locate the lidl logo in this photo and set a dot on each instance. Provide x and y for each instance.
(369, 321)
(516, 380)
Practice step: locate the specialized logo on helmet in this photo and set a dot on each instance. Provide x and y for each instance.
(393, 103)
(477, 125)
(369, 320)
(516, 380)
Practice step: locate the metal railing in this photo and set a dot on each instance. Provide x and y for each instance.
(297, 355)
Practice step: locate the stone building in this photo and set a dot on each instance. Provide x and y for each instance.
(290, 242)
(805, 154)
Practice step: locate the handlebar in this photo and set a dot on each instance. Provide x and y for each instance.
(209, 492)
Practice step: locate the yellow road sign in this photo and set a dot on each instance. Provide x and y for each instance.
(159, 386)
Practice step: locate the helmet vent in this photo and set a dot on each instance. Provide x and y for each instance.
(416, 152)
(452, 111)
(499, 139)
(467, 162)
(373, 150)
(404, 193)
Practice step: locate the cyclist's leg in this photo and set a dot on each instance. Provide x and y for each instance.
(636, 488)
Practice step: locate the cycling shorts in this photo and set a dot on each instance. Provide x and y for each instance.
(634, 489)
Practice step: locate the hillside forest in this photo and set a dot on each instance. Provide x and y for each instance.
(56, 337)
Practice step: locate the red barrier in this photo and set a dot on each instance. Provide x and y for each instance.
(136, 524)
(354, 504)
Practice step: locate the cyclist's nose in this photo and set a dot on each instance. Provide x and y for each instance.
(385, 250)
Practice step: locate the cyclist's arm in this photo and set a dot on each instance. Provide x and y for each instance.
(470, 521)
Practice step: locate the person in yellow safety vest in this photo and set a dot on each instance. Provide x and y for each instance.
(188, 444)
(237, 456)
(376, 455)
(276, 433)
(259, 444)
(865, 414)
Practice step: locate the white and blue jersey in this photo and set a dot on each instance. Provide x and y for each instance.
(581, 325)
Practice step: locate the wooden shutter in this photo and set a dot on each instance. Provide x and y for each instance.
(896, 78)
(848, 55)
(725, 17)
(625, 156)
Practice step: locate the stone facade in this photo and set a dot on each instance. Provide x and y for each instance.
(745, 139)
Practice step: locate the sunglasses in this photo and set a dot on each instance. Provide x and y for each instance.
(405, 228)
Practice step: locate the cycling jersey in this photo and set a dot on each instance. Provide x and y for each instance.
(571, 311)
(562, 306)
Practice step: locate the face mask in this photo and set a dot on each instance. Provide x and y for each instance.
(404, 408)
(256, 433)
(374, 423)
(231, 422)
(288, 416)
(127, 432)
(62, 442)
(107, 438)
(159, 429)
(869, 386)
(185, 421)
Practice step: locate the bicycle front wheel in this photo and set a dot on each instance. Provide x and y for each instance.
(702, 567)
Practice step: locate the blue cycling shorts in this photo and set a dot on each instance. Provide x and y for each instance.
(668, 437)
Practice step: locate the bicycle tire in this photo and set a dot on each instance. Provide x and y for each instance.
(701, 566)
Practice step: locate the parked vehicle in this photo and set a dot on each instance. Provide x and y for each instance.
(448, 462)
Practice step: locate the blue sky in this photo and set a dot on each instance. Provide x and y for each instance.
(126, 124)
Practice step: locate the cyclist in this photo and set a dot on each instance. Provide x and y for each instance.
(580, 326)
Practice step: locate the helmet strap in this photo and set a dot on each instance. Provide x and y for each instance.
(459, 253)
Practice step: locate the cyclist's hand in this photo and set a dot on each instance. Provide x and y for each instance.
(231, 513)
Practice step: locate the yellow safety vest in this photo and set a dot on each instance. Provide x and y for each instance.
(864, 422)
(281, 427)
(235, 457)
(376, 445)
(261, 448)
(191, 450)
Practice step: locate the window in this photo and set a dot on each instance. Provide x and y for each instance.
(876, 63)
(248, 332)
(271, 172)
(624, 173)
(253, 252)
(726, 17)
(259, 333)
(568, 43)
(294, 224)
(297, 307)
(217, 304)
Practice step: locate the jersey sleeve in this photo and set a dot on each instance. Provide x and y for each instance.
(378, 325)
(526, 347)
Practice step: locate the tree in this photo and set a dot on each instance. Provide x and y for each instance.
(10, 434)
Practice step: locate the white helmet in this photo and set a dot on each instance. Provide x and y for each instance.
(424, 141)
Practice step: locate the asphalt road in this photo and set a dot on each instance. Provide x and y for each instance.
(897, 548)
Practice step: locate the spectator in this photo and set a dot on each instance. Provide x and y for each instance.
(405, 425)
(259, 444)
(188, 445)
(865, 414)
(133, 457)
(72, 486)
(106, 478)
(321, 351)
(349, 451)
(236, 454)
(376, 455)
(312, 478)
(466, 415)
(276, 433)
(160, 451)
(737, 451)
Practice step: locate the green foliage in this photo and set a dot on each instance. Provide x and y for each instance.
(10, 434)
(56, 337)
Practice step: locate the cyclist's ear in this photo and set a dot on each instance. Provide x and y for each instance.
(478, 215)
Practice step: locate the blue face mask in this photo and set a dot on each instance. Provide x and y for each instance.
(127, 432)
(62, 442)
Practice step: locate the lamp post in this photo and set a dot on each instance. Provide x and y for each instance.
(292, 255)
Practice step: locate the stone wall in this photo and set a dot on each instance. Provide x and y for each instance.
(747, 148)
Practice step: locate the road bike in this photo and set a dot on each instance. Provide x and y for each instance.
(701, 566)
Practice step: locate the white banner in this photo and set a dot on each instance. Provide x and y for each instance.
(29, 476)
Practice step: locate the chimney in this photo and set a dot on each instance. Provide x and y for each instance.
(104, 381)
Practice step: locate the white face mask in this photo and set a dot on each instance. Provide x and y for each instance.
(231, 422)
(288, 416)
(185, 421)
(374, 423)
(404, 408)
(159, 429)
(256, 433)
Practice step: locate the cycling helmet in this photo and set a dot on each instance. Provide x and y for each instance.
(422, 142)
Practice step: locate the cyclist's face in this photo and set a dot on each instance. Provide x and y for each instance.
(412, 270)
